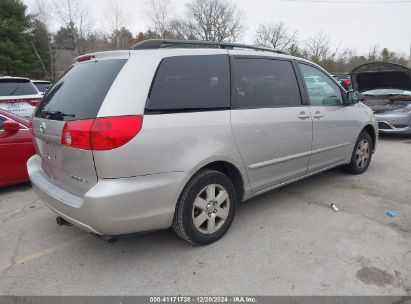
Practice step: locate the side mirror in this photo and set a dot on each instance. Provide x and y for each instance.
(11, 126)
(353, 97)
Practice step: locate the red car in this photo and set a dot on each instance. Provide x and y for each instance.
(16, 147)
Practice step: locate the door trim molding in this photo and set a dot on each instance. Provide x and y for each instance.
(254, 194)
(277, 160)
(317, 151)
(295, 156)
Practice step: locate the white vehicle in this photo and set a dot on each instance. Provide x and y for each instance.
(316, 83)
(42, 85)
(18, 95)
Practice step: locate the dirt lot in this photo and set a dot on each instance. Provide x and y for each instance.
(286, 242)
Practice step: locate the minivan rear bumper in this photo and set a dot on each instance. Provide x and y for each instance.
(113, 206)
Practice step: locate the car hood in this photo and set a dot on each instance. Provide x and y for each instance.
(381, 75)
(385, 87)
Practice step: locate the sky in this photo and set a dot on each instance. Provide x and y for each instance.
(353, 24)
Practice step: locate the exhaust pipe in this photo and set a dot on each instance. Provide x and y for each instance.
(109, 238)
(62, 222)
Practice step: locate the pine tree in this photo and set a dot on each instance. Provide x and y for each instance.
(16, 53)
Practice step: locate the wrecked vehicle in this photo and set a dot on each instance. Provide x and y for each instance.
(386, 89)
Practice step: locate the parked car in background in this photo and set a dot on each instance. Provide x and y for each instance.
(42, 85)
(18, 96)
(316, 83)
(16, 147)
(386, 89)
(344, 79)
(335, 77)
(159, 136)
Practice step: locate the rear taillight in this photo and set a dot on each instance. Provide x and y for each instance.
(104, 133)
(346, 83)
(77, 134)
(112, 132)
(33, 101)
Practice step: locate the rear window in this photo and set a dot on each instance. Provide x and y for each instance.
(13, 87)
(81, 90)
(191, 83)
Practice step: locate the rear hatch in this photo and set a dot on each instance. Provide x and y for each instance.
(75, 99)
(18, 96)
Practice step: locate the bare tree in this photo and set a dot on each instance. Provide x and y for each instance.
(276, 36)
(211, 20)
(374, 52)
(76, 18)
(180, 30)
(318, 48)
(42, 11)
(159, 14)
(116, 19)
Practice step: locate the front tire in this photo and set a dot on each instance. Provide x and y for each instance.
(206, 208)
(362, 154)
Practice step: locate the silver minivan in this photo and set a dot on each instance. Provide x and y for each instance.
(175, 133)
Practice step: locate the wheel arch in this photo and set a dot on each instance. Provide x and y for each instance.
(231, 171)
(372, 132)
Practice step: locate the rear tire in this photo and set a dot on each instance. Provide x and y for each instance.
(206, 208)
(361, 156)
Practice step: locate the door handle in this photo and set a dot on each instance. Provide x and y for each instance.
(303, 115)
(318, 115)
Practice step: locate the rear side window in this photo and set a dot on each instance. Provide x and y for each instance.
(264, 83)
(13, 87)
(1, 122)
(81, 90)
(191, 83)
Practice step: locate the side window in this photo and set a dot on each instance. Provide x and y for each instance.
(191, 83)
(322, 91)
(264, 83)
(1, 123)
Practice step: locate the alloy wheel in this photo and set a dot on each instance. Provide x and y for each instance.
(362, 155)
(210, 209)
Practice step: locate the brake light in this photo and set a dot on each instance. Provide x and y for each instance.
(112, 132)
(84, 58)
(76, 134)
(104, 133)
(346, 83)
(34, 102)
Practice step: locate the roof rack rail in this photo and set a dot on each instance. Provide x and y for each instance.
(163, 43)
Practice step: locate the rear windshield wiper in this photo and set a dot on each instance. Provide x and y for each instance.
(56, 114)
(14, 91)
